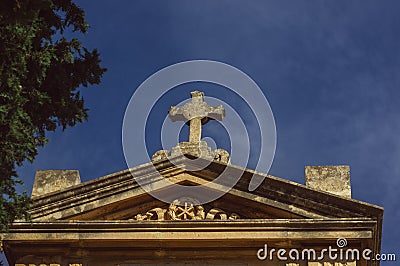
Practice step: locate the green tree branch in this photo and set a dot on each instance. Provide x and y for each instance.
(41, 72)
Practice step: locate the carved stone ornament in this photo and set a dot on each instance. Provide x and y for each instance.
(195, 113)
(185, 209)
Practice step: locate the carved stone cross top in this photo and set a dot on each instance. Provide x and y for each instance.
(196, 112)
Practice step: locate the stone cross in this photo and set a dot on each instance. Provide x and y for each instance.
(196, 113)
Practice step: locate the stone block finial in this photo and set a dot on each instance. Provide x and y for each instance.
(332, 179)
(47, 181)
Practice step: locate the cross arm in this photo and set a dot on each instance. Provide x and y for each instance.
(176, 114)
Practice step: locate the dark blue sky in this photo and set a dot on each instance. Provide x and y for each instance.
(330, 71)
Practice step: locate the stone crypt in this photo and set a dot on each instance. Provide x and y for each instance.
(113, 221)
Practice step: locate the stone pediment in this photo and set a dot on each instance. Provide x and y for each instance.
(119, 197)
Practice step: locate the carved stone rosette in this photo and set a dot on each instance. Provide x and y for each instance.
(185, 209)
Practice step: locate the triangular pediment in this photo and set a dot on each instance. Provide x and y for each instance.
(232, 205)
(119, 197)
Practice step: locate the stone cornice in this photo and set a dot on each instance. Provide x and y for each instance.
(64, 230)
